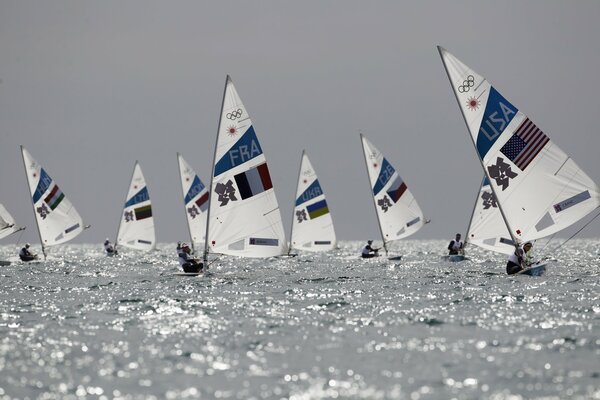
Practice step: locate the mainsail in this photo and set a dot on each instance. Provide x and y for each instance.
(539, 188)
(195, 199)
(487, 228)
(57, 220)
(398, 213)
(312, 226)
(243, 216)
(7, 223)
(136, 229)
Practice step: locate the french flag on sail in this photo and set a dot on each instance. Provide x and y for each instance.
(253, 181)
(526, 143)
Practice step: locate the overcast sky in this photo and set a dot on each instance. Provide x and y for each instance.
(91, 86)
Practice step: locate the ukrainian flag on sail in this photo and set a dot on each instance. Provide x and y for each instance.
(317, 209)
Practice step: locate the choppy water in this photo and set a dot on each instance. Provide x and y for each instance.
(311, 327)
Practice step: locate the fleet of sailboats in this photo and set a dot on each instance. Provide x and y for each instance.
(531, 189)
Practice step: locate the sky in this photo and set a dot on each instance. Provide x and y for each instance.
(88, 87)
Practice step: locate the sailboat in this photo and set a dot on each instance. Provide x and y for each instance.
(398, 213)
(486, 226)
(195, 200)
(538, 188)
(243, 214)
(312, 225)
(7, 227)
(56, 218)
(136, 227)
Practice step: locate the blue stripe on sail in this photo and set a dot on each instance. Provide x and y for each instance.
(384, 176)
(243, 150)
(314, 190)
(498, 114)
(43, 185)
(197, 187)
(140, 196)
(486, 181)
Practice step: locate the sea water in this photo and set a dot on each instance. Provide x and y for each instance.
(83, 325)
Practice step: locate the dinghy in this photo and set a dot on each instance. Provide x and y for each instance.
(7, 227)
(136, 226)
(243, 214)
(539, 190)
(195, 201)
(312, 225)
(56, 218)
(398, 214)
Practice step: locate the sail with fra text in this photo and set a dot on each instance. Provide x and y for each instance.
(312, 225)
(244, 218)
(540, 189)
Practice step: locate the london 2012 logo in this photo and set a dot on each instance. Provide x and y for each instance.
(467, 84)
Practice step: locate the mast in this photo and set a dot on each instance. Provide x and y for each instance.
(121, 219)
(212, 174)
(33, 206)
(485, 171)
(294, 201)
(362, 143)
(184, 205)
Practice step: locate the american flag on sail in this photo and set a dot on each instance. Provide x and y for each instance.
(526, 143)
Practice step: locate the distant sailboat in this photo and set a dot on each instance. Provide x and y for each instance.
(136, 227)
(7, 227)
(243, 213)
(398, 213)
(312, 225)
(57, 219)
(538, 188)
(486, 227)
(195, 200)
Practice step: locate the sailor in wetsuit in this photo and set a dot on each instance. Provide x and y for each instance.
(26, 255)
(368, 251)
(520, 259)
(456, 246)
(109, 248)
(186, 260)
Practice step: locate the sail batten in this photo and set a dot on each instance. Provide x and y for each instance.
(243, 215)
(540, 190)
(312, 225)
(136, 226)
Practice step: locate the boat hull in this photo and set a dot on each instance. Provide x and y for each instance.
(535, 270)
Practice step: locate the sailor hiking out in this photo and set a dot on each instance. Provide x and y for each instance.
(368, 251)
(520, 259)
(456, 246)
(26, 255)
(187, 261)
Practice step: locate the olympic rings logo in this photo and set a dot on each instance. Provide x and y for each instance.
(467, 84)
(234, 114)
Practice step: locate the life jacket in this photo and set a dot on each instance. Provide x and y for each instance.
(457, 245)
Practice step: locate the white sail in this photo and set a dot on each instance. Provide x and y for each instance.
(312, 226)
(244, 217)
(57, 220)
(398, 213)
(195, 199)
(136, 229)
(7, 223)
(540, 188)
(487, 228)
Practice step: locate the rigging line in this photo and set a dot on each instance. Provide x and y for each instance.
(582, 228)
(20, 235)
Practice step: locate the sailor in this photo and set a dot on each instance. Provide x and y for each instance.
(455, 246)
(186, 260)
(368, 251)
(527, 254)
(109, 248)
(515, 262)
(26, 255)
